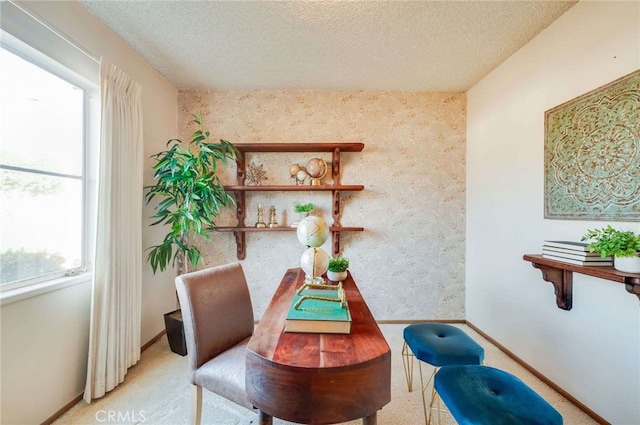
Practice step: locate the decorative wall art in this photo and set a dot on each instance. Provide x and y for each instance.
(592, 154)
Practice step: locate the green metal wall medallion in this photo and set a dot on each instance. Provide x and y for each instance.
(592, 154)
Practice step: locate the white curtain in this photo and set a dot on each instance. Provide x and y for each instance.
(114, 343)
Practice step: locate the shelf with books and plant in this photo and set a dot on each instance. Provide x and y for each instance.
(560, 271)
(241, 189)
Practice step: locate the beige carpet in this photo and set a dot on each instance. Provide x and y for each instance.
(157, 391)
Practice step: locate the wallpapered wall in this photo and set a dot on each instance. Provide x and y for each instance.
(409, 261)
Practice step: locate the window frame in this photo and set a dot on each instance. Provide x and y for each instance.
(90, 163)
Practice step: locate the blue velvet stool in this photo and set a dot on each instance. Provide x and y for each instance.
(483, 395)
(437, 344)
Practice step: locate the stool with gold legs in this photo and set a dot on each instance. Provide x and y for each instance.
(437, 344)
(484, 395)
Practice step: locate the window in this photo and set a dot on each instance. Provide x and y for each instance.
(45, 190)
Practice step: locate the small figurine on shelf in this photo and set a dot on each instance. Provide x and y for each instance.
(255, 175)
(272, 217)
(299, 173)
(260, 222)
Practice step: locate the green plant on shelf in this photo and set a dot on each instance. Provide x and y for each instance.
(303, 208)
(609, 241)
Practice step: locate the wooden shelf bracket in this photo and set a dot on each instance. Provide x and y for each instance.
(562, 281)
(561, 276)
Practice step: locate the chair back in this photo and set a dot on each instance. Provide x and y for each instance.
(216, 311)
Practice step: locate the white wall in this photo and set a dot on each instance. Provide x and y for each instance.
(45, 338)
(591, 351)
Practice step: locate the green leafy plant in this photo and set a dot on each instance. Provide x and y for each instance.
(303, 208)
(609, 241)
(338, 264)
(191, 195)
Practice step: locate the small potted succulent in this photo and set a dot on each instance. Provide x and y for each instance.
(302, 210)
(623, 245)
(337, 271)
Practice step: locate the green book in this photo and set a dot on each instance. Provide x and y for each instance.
(318, 316)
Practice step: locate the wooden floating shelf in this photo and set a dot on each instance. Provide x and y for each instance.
(282, 229)
(561, 276)
(300, 147)
(293, 188)
(240, 190)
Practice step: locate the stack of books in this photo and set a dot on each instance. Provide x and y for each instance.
(574, 253)
(317, 315)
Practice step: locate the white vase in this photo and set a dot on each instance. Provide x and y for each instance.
(627, 264)
(336, 276)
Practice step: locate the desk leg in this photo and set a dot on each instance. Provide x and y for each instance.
(264, 419)
(372, 419)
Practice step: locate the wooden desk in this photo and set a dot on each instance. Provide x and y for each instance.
(318, 378)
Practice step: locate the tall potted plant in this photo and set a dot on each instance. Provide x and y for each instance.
(190, 196)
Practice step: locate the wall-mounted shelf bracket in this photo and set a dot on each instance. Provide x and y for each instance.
(562, 281)
(561, 276)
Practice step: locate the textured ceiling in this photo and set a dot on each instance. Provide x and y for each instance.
(370, 45)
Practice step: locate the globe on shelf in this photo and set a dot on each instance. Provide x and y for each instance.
(293, 170)
(301, 176)
(314, 262)
(312, 231)
(317, 169)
